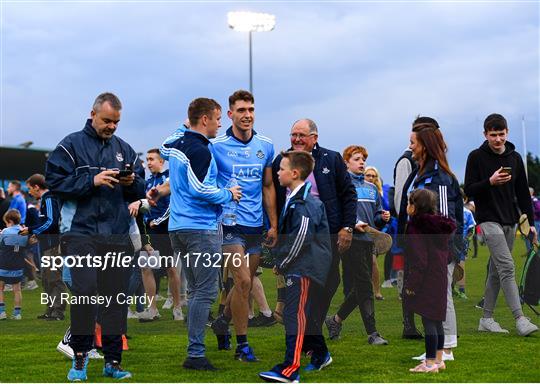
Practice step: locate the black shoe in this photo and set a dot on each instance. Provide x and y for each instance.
(198, 364)
(412, 334)
(262, 321)
(55, 318)
(480, 304)
(43, 316)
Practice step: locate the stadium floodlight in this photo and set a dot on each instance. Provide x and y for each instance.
(251, 22)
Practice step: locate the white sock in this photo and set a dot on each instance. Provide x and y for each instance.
(267, 313)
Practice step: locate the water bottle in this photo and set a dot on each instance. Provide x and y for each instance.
(229, 210)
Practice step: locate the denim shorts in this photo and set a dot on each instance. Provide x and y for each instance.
(250, 238)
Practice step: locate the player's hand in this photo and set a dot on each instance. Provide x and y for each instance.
(361, 227)
(344, 240)
(134, 208)
(126, 181)
(106, 178)
(275, 270)
(32, 240)
(23, 231)
(153, 224)
(271, 237)
(236, 193)
(152, 196)
(148, 248)
(500, 178)
(409, 292)
(386, 216)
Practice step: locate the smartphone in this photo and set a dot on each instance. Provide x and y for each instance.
(124, 173)
(507, 170)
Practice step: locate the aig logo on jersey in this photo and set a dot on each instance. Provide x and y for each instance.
(248, 172)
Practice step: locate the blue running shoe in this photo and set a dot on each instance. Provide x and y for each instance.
(78, 367)
(317, 367)
(245, 353)
(115, 371)
(275, 377)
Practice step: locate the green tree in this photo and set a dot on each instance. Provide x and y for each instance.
(533, 169)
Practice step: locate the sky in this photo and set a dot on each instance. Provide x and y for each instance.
(361, 70)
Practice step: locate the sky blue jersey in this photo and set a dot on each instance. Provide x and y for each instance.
(247, 161)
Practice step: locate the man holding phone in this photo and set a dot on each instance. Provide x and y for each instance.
(495, 179)
(83, 172)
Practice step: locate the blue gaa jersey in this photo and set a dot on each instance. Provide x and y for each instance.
(247, 161)
(164, 150)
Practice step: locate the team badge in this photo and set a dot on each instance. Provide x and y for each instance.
(229, 236)
(119, 157)
(289, 282)
(325, 171)
(260, 154)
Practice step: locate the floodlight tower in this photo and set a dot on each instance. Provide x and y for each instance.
(251, 22)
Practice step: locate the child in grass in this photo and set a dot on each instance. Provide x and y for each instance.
(12, 261)
(425, 283)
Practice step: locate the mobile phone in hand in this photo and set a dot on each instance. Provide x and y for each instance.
(506, 170)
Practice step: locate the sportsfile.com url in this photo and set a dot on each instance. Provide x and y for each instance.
(122, 260)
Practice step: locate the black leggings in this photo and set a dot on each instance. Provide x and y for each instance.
(434, 338)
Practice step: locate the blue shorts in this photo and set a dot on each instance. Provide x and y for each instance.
(250, 238)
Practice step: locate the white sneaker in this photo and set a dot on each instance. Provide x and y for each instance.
(159, 298)
(445, 356)
(387, 284)
(3, 316)
(8, 288)
(490, 325)
(30, 285)
(94, 354)
(16, 317)
(178, 314)
(132, 314)
(168, 303)
(65, 349)
(148, 315)
(524, 326)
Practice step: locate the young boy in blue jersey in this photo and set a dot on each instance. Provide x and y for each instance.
(303, 256)
(194, 204)
(245, 154)
(12, 261)
(359, 258)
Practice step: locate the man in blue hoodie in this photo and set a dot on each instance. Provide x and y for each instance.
(84, 172)
(194, 204)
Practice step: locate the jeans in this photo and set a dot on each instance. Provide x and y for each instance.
(202, 280)
(500, 240)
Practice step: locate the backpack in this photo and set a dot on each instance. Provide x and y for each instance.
(529, 285)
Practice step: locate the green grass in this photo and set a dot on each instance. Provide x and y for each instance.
(27, 347)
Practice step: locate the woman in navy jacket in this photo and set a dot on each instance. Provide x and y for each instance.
(433, 173)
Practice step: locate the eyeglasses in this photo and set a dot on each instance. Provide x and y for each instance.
(300, 135)
(369, 176)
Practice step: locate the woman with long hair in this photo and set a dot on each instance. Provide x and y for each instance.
(429, 151)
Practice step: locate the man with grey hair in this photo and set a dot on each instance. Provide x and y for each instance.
(331, 183)
(95, 174)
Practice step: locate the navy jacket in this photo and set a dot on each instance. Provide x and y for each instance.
(335, 187)
(46, 228)
(70, 171)
(304, 247)
(450, 200)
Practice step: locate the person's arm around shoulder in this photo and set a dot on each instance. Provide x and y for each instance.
(346, 193)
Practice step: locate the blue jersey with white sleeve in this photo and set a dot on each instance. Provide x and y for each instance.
(195, 198)
(247, 161)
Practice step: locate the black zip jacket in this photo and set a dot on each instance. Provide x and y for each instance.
(85, 208)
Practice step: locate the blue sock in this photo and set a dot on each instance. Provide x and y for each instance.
(462, 289)
(16, 311)
(241, 340)
(2, 307)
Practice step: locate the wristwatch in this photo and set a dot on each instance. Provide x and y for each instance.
(348, 229)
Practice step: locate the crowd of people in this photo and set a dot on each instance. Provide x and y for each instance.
(216, 208)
